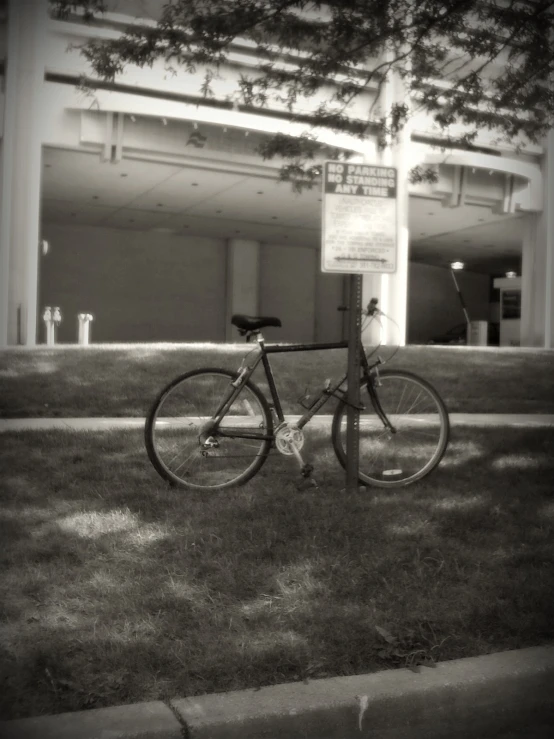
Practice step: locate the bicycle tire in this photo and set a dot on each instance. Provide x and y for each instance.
(178, 416)
(419, 415)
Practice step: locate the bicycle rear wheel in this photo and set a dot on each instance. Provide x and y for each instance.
(187, 449)
(419, 437)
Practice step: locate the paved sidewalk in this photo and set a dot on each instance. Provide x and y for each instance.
(101, 424)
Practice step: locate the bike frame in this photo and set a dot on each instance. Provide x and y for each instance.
(262, 357)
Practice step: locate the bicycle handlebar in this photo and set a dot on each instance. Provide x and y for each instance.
(371, 309)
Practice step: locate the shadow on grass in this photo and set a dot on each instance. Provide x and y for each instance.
(121, 589)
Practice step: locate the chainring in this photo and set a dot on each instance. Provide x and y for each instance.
(289, 439)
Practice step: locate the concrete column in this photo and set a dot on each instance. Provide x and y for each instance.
(243, 281)
(392, 290)
(372, 284)
(547, 234)
(21, 171)
(537, 269)
(532, 267)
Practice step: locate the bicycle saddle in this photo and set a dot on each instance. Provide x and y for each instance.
(253, 323)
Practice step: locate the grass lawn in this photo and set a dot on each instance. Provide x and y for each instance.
(118, 589)
(123, 381)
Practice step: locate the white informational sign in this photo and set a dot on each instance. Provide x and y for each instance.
(359, 218)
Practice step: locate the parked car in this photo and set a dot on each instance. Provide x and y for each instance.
(455, 335)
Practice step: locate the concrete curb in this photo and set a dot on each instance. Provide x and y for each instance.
(101, 424)
(509, 694)
(140, 721)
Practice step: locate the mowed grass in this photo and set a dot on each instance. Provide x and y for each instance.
(118, 589)
(123, 381)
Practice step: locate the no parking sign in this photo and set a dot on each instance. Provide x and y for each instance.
(359, 218)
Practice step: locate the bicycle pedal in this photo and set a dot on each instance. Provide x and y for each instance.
(307, 470)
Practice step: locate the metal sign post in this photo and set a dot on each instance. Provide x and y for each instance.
(358, 235)
(353, 396)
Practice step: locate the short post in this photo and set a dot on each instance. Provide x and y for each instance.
(56, 320)
(84, 320)
(49, 325)
(353, 394)
(458, 266)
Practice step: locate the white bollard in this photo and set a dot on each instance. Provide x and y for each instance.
(84, 327)
(49, 323)
(56, 320)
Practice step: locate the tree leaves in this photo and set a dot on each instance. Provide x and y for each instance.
(485, 64)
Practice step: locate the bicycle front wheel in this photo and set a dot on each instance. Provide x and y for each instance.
(188, 449)
(414, 446)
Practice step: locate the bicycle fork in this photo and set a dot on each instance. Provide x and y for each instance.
(371, 383)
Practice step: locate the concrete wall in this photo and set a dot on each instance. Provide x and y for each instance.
(160, 287)
(329, 295)
(139, 286)
(434, 305)
(149, 286)
(287, 290)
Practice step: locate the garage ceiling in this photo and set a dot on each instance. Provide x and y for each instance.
(79, 188)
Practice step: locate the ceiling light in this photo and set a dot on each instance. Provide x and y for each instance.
(133, 119)
(511, 275)
(164, 121)
(457, 265)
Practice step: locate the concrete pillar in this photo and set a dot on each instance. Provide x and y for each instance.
(243, 281)
(372, 334)
(537, 268)
(392, 290)
(21, 171)
(546, 229)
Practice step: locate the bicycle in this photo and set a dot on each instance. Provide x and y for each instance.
(212, 428)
